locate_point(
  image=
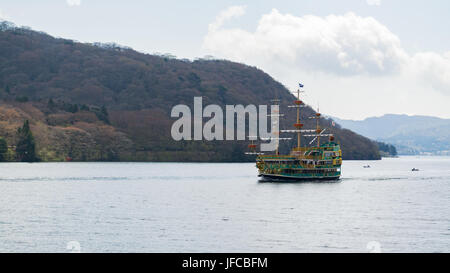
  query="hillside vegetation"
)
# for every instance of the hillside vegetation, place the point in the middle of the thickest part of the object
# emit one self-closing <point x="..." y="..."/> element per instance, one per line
<point x="91" y="102"/>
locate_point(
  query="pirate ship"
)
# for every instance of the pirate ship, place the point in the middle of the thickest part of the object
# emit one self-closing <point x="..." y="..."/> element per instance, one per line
<point x="315" y="161"/>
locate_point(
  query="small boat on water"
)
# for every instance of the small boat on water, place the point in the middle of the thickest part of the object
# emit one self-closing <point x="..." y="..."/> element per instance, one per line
<point x="366" y="166"/>
<point x="414" y="170"/>
<point x="321" y="161"/>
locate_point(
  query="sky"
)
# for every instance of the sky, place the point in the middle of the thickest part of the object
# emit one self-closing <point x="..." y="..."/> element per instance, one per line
<point x="356" y="58"/>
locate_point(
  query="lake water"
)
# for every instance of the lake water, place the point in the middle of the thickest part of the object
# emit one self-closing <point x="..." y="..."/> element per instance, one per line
<point x="189" y="207"/>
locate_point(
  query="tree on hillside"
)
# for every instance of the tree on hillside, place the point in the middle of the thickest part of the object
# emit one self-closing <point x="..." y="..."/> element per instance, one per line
<point x="387" y="148"/>
<point x="26" y="147"/>
<point x="3" y="149"/>
<point x="51" y="104"/>
<point x="103" y="115"/>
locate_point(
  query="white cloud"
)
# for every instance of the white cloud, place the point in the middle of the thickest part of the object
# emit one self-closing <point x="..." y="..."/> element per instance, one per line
<point x="373" y="2"/>
<point x="233" y="11"/>
<point x="432" y="69"/>
<point x="73" y="2"/>
<point x="350" y="61"/>
<point x="346" y="44"/>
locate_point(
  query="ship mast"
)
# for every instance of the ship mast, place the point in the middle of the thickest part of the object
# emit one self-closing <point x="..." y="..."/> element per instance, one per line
<point x="318" y="129"/>
<point x="298" y="118"/>
<point x="298" y="125"/>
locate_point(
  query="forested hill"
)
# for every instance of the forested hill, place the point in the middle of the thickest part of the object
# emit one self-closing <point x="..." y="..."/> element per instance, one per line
<point x="106" y="102"/>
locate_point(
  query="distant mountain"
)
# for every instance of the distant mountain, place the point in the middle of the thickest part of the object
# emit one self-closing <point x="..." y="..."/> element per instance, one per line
<point x="108" y="102"/>
<point x="409" y="134"/>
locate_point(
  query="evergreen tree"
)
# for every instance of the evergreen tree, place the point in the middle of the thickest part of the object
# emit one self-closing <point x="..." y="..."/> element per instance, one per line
<point x="51" y="104"/>
<point x="104" y="111"/>
<point x="26" y="147"/>
<point x="21" y="98"/>
<point x="84" y="107"/>
<point x="3" y="149"/>
<point x="103" y="115"/>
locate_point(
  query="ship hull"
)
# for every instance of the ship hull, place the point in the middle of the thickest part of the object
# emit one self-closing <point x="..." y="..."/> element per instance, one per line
<point x="286" y="178"/>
